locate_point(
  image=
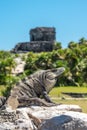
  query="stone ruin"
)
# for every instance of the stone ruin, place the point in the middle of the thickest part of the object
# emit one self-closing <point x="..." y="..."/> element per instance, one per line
<point x="41" y="39"/>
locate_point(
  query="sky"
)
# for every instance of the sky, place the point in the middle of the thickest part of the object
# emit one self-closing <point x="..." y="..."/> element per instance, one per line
<point x="17" y="17"/>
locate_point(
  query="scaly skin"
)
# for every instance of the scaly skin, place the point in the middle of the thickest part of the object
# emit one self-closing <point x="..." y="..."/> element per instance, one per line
<point x="30" y="90"/>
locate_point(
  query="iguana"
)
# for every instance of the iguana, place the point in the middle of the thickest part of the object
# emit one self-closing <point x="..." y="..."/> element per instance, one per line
<point x="31" y="89"/>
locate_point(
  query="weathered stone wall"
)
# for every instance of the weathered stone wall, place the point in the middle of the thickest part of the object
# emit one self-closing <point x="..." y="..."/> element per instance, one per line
<point x="42" y="34"/>
<point x="41" y="39"/>
<point x="35" y="46"/>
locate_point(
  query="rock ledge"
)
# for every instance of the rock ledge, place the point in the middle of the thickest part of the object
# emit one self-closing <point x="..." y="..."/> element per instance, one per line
<point x="60" y="117"/>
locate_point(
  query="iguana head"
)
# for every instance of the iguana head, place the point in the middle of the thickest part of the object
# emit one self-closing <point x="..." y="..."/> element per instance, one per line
<point x="51" y="77"/>
<point x="47" y="78"/>
<point x="54" y="73"/>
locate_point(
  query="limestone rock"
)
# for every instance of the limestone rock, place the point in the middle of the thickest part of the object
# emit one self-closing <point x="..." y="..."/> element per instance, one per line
<point x="16" y="120"/>
<point x="60" y="117"/>
<point x="66" y="121"/>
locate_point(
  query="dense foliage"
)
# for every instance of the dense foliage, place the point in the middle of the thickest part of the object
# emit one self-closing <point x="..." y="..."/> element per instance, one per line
<point x="6" y="65"/>
<point x="73" y="58"/>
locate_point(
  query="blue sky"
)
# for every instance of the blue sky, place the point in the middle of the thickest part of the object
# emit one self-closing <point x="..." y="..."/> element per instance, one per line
<point x="17" y="17"/>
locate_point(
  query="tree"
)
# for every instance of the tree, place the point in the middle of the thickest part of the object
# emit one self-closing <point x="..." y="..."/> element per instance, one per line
<point x="82" y="41"/>
<point x="57" y="46"/>
<point x="72" y="45"/>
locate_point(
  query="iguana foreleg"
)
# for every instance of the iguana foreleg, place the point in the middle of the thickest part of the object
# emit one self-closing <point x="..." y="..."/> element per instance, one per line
<point x="44" y="93"/>
<point x="46" y="97"/>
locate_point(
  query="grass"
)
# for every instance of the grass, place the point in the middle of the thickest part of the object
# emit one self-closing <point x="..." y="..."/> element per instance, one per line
<point x="58" y="97"/>
<point x="58" y="90"/>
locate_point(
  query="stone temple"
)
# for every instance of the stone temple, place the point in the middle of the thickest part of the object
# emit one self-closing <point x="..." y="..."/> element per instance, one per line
<point x="41" y="39"/>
